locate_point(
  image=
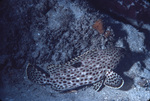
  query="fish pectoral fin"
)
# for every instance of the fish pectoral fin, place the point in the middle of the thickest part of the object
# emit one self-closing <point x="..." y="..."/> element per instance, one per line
<point x="113" y="80"/>
<point x="97" y="85"/>
<point x="37" y="75"/>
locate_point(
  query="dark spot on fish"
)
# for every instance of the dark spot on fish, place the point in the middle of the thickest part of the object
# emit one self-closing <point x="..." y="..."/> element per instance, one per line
<point x="85" y="62"/>
<point x="77" y="71"/>
<point x="82" y="75"/>
<point x="91" y="78"/>
<point x="96" y="73"/>
<point x="86" y="66"/>
<point x="84" y="70"/>
<point x="75" y="74"/>
<point x="68" y="79"/>
<point x="77" y="80"/>
<point x="86" y="82"/>
<point x="64" y="81"/>
<point x="95" y="79"/>
<point x="92" y="58"/>
<point x="58" y="74"/>
<point x="47" y="80"/>
<point x="68" y="75"/>
<point x="74" y="78"/>
<point x="87" y="73"/>
<point x="93" y="61"/>
<point x="90" y="67"/>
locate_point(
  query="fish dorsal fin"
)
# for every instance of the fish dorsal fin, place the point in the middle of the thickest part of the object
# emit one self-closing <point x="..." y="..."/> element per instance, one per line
<point x="113" y="79"/>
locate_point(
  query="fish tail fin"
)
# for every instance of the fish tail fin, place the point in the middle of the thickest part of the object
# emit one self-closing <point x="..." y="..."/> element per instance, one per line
<point x="37" y="75"/>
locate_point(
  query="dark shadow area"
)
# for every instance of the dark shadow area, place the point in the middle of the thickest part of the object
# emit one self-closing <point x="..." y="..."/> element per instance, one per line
<point x="129" y="57"/>
<point x="128" y="82"/>
<point x="147" y="37"/>
<point x="125" y="64"/>
<point x="99" y="6"/>
<point x="119" y="34"/>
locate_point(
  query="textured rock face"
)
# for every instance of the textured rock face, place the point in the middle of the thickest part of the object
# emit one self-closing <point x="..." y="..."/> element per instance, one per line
<point x="45" y="32"/>
<point x="138" y="10"/>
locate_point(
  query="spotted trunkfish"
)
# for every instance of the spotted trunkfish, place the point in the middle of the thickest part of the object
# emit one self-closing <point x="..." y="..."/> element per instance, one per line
<point x="92" y="68"/>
